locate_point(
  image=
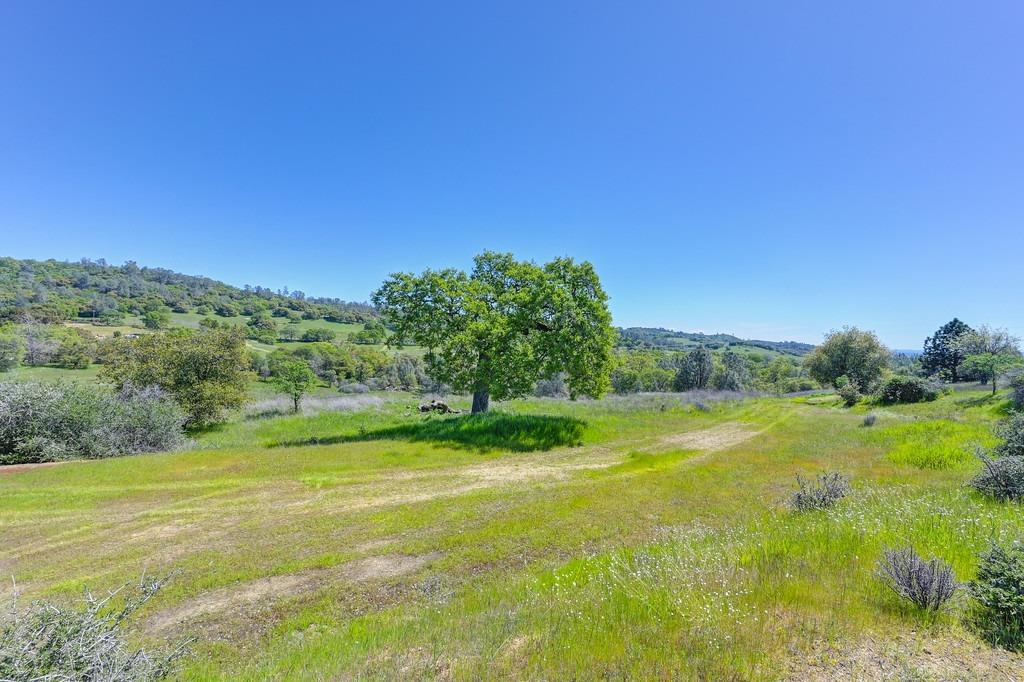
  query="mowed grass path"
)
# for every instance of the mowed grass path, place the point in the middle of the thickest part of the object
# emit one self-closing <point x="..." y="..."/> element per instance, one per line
<point x="621" y="538"/>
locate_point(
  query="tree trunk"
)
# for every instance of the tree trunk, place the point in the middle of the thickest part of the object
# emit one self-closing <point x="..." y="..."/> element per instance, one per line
<point x="297" y="399"/>
<point x="481" y="401"/>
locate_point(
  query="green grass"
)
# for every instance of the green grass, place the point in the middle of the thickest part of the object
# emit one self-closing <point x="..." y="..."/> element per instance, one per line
<point x="936" y="444"/>
<point x="549" y="540"/>
<point x="23" y="373"/>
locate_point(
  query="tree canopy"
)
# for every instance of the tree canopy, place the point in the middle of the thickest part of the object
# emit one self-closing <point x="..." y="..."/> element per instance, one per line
<point x="989" y="353"/>
<point x="852" y="353"/>
<point x="205" y="371"/>
<point x="942" y="352"/>
<point x="500" y="328"/>
<point x="292" y="376"/>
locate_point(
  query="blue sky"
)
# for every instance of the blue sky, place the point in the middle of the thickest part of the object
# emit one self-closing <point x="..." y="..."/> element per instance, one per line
<point x="772" y="170"/>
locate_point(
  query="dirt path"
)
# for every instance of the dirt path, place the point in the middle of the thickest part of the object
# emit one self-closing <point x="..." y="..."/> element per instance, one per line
<point x="20" y="468"/>
<point x="715" y="439"/>
<point x="273" y="588"/>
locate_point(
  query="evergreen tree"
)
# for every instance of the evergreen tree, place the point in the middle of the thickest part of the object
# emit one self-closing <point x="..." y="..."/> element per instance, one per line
<point x="942" y="352"/>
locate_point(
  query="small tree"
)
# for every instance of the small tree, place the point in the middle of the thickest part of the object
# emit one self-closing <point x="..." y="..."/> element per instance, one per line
<point x="11" y="350"/>
<point x="205" y="371"/>
<point x="319" y="334"/>
<point x="695" y="371"/>
<point x="853" y="353"/>
<point x="733" y="374"/>
<point x="498" y="329"/>
<point x="40" y="344"/>
<point x="157" y="318"/>
<point x="76" y="350"/>
<point x="292" y="376"/>
<point x="989" y="353"/>
<point x="943" y="354"/>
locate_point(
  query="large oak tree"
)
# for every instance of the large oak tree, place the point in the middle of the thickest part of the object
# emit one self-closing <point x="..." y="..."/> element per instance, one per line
<point x="500" y="328"/>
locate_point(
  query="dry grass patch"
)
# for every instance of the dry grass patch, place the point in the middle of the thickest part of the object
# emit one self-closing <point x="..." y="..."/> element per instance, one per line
<point x="923" y="659"/>
<point x="714" y="439"/>
<point x="229" y="601"/>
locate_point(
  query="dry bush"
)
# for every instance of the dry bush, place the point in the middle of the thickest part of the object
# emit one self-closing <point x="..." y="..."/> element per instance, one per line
<point x="927" y="584"/>
<point x="821" y="494"/>
<point x="54" y="643"/>
<point x="1001" y="478"/>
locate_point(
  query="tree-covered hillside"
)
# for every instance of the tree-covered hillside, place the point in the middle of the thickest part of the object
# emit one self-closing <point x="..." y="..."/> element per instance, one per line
<point x="55" y="291"/>
<point x="650" y="337"/>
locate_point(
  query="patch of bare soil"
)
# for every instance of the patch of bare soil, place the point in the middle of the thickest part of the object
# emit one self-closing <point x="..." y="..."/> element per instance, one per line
<point x="273" y="588"/>
<point x="949" y="659"/>
<point x="21" y="468"/>
<point x="721" y="437"/>
<point x="530" y="470"/>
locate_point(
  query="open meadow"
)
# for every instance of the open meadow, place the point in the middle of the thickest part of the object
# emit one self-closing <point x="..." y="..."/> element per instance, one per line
<point x="642" y="536"/>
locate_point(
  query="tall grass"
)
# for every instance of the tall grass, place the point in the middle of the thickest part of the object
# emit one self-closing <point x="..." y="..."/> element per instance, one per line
<point x="935" y="444"/>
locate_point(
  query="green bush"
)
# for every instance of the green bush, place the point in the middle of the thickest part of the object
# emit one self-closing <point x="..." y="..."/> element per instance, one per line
<point x="849" y="391"/>
<point x="999" y="593"/>
<point x="205" y="371"/>
<point x="1011" y="432"/>
<point x="907" y="389"/>
<point x="42" y="422"/>
<point x="318" y="334"/>
<point x="12" y="348"/>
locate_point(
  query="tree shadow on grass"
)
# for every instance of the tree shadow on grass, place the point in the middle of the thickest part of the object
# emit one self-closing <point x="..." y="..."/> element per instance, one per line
<point x="998" y="400"/>
<point x="482" y="432"/>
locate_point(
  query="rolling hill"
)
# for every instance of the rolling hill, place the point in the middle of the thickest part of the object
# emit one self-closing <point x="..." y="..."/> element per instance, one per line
<point x="667" y="339"/>
<point x="58" y="291"/>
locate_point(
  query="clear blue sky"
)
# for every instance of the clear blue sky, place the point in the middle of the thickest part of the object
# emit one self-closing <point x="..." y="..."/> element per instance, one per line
<point x="774" y="170"/>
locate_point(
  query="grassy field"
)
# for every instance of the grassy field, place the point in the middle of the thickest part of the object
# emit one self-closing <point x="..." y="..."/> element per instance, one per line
<point x="624" y="538"/>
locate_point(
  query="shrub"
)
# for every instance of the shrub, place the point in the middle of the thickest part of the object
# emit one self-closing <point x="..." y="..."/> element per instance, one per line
<point x="51" y="642"/>
<point x="141" y="420"/>
<point x="927" y="584"/>
<point x="11" y="350"/>
<point x="1002" y="478"/>
<point x="1017" y="392"/>
<point x="318" y="334"/>
<point x="907" y="389"/>
<point x="555" y="387"/>
<point x="205" y="371"/>
<point x="1011" y="432"/>
<point x="354" y="388"/>
<point x="42" y="422"/>
<point x="870" y="419"/>
<point x="849" y="391"/>
<point x="999" y="593"/>
<point x="829" y="489"/>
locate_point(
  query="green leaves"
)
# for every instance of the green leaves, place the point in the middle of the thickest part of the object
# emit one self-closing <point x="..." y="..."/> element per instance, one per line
<point x="506" y="324"/>
<point x="205" y="371"/>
